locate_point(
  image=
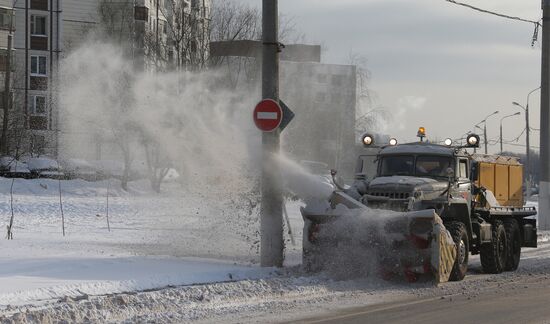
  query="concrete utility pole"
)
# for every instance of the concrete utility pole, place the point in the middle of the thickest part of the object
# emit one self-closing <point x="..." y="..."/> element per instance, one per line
<point x="544" y="184"/>
<point x="527" y="166"/>
<point x="485" y="135"/>
<point x="271" y="214"/>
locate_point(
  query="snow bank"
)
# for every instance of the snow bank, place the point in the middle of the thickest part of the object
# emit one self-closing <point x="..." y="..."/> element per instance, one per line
<point x="31" y="281"/>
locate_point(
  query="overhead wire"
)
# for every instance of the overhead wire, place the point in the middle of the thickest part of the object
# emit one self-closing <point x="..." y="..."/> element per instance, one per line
<point x="536" y="23"/>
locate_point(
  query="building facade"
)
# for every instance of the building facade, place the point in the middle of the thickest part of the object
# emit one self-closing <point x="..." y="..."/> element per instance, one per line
<point x="161" y="33"/>
<point x="322" y="96"/>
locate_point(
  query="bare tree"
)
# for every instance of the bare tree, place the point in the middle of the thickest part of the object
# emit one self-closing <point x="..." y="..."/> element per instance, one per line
<point x="118" y="25"/>
<point x="187" y="33"/>
<point x="368" y="117"/>
<point x="117" y="21"/>
<point x="158" y="164"/>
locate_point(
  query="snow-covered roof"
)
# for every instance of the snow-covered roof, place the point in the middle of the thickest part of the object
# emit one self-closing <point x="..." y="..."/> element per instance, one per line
<point x="418" y="148"/>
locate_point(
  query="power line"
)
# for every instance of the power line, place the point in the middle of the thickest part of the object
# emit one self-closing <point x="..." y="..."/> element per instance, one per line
<point x="493" y="13"/>
<point x="536" y="23"/>
<point x="522" y="145"/>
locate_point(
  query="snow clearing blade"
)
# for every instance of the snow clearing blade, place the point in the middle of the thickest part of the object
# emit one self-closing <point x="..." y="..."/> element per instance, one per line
<point x="412" y="244"/>
<point x="419" y="244"/>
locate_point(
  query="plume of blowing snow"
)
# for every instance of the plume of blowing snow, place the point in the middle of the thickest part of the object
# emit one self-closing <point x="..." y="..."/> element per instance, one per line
<point x="188" y="121"/>
<point x="193" y="123"/>
<point x="307" y="186"/>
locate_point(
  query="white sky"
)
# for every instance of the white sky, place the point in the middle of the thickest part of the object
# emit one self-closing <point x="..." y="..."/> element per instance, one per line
<point x="434" y="64"/>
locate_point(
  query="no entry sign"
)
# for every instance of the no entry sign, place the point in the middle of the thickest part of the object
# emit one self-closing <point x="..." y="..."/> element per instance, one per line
<point x="268" y="115"/>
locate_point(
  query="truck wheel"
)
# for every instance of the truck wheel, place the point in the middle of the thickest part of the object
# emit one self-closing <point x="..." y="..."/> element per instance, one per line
<point x="460" y="237"/>
<point x="513" y="243"/>
<point x="493" y="255"/>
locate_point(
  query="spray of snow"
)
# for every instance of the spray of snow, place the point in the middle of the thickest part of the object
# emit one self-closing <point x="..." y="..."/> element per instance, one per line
<point x="194" y="122"/>
<point x="360" y="236"/>
<point x="302" y="183"/>
<point x="189" y="121"/>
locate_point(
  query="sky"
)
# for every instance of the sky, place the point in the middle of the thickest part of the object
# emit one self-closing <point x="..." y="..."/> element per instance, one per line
<point x="433" y="63"/>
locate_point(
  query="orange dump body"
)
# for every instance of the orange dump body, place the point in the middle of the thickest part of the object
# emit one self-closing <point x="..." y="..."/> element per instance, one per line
<point x="503" y="175"/>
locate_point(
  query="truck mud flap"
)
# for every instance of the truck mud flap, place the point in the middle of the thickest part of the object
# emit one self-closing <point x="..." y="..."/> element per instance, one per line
<point x="529" y="233"/>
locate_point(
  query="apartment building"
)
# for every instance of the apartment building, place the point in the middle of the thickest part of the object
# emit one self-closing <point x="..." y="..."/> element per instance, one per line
<point x="7" y="25"/>
<point x="172" y="33"/>
<point x="163" y="33"/>
<point x="37" y="54"/>
<point x="323" y="97"/>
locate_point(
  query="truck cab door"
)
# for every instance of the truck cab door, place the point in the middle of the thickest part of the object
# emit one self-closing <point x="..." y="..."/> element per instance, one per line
<point x="366" y="167"/>
<point x="464" y="184"/>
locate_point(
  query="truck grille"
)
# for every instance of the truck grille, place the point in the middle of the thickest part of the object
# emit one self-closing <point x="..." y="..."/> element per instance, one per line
<point x="391" y="195"/>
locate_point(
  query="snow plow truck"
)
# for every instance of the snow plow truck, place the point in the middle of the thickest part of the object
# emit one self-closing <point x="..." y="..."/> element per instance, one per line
<point x="442" y="203"/>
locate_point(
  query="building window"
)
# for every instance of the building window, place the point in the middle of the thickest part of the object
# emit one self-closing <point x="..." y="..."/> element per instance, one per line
<point x="38" y="25"/>
<point x="38" y="105"/>
<point x="38" y="65"/>
<point x="141" y="13"/>
<point x="6" y="19"/>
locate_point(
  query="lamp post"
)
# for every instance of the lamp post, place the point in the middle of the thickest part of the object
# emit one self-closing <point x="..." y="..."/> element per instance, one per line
<point x="527" y="144"/>
<point x="501" y="127"/>
<point x="484" y="121"/>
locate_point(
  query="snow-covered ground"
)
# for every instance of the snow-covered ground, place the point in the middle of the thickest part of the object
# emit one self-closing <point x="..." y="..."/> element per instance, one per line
<point x="154" y="240"/>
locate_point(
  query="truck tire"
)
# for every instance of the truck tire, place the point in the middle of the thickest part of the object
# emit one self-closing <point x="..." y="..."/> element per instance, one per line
<point x="493" y="255"/>
<point x="460" y="237"/>
<point x="513" y="243"/>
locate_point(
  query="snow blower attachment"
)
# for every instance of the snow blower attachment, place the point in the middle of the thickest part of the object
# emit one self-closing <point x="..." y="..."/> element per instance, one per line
<point x="411" y="244"/>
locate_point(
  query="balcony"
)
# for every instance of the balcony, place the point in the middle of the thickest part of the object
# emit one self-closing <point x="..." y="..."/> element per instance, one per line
<point x="38" y="122"/>
<point x="39" y="5"/>
<point x="39" y="83"/>
<point x="39" y="43"/>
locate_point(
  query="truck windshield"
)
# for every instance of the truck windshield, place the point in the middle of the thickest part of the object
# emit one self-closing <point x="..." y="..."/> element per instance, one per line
<point x="397" y="165"/>
<point x="422" y="166"/>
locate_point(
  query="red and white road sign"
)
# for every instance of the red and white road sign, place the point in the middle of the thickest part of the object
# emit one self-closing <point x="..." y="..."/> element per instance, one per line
<point x="268" y="115"/>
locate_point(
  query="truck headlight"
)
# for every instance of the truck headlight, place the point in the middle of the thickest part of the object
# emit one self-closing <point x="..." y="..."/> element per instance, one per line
<point x="368" y="140"/>
<point x="473" y="140"/>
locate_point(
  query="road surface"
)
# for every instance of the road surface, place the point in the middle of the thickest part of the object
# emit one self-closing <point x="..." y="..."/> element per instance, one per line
<point x="525" y="301"/>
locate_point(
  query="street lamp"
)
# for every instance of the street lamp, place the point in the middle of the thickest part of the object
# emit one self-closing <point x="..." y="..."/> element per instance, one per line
<point x="518" y="113"/>
<point x="484" y="121"/>
<point x="527" y="144"/>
